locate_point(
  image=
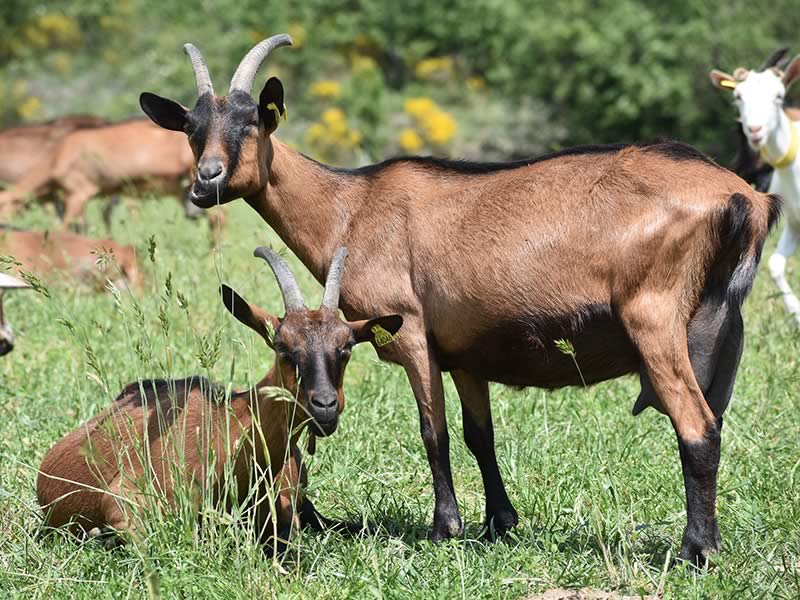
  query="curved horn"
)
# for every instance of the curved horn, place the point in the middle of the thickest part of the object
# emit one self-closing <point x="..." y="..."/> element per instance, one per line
<point x="201" y="76"/>
<point x="333" y="283"/>
<point x="774" y="59"/>
<point x="292" y="297"/>
<point x="245" y="73"/>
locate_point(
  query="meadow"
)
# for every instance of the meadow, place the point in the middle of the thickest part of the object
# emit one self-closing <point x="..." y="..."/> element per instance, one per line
<point x="599" y="492"/>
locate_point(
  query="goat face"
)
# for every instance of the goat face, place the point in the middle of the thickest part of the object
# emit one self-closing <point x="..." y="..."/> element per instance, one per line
<point x="759" y="97"/>
<point x="229" y="135"/>
<point x="312" y="346"/>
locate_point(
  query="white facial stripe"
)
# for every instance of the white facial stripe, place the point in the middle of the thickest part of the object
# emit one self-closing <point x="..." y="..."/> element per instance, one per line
<point x="758" y="99"/>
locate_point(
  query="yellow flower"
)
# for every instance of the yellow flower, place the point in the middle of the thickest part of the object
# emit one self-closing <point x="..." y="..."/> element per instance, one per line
<point x="410" y="140"/>
<point x="419" y="107"/>
<point x="428" y="67"/>
<point x="440" y="127"/>
<point x="355" y="138"/>
<point x="360" y="63"/>
<point x="62" y="62"/>
<point x="61" y="27"/>
<point x="315" y="133"/>
<point x="326" y="89"/>
<point x="334" y="119"/>
<point x="476" y="84"/>
<point x="29" y="108"/>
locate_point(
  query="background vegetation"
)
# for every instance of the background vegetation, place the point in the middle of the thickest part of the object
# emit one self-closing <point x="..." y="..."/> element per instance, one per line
<point x="499" y="78"/>
<point x="599" y="493"/>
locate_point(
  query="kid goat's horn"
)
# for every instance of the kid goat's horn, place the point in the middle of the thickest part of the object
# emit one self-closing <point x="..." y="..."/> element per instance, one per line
<point x="333" y="283"/>
<point x="292" y="297"/>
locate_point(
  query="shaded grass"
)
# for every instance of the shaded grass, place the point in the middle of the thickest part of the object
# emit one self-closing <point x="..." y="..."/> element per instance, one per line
<point x="599" y="492"/>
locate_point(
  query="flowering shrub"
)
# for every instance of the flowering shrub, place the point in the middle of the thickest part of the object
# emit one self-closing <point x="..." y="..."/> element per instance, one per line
<point x="332" y="137"/>
<point x="437" y="126"/>
<point x="325" y="89"/>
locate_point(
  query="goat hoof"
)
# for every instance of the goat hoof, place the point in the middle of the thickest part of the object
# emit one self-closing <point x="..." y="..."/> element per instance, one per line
<point x="499" y="521"/>
<point x="698" y="547"/>
<point x="444" y="529"/>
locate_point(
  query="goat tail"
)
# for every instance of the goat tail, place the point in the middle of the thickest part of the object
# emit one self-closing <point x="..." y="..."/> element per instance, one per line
<point x="743" y="227"/>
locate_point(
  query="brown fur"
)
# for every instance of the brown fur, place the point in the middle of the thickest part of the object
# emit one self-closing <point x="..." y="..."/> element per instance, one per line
<point x="105" y="159"/>
<point x="92" y="477"/>
<point x="73" y="256"/>
<point x="25" y="147"/>
<point x="610" y="248"/>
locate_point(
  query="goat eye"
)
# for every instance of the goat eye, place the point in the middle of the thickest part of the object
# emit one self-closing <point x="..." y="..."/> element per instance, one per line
<point x="345" y="352"/>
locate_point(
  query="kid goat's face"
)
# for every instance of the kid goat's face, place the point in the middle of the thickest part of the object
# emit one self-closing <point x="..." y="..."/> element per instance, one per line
<point x="312" y="347"/>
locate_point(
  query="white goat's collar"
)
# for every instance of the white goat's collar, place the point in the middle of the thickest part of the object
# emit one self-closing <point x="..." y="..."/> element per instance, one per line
<point x="791" y="154"/>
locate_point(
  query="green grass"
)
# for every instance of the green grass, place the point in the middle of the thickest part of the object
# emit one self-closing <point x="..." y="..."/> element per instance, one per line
<point x="599" y="492"/>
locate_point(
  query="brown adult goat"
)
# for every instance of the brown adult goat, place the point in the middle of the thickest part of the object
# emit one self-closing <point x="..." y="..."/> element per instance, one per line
<point x="641" y="255"/>
<point x="76" y="257"/>
<point x="24" y="147"/>
<point x="89" y="478"/>
<point x="105" y="159"/>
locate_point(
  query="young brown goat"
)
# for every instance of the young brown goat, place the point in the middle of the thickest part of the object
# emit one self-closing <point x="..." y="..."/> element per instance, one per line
<point x="91" y="477"/>
<point x="641" y="255"/>
<point x="105" y="159"/>
<point x="77" y="257"/>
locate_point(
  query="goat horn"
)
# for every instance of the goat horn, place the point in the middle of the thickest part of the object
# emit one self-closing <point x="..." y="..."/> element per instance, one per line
<point x="292" y="297"/>
<point x="774" y="59"/>
<point x="333" y="283"/>
<point x="245" y="73"/>
<point x="201" y="76"/>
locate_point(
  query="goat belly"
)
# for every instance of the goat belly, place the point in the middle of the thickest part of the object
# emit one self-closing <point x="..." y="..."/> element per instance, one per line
<point x="524" y="352"/>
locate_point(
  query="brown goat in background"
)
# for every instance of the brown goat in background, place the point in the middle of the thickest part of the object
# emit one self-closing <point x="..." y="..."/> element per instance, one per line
<point x="106" y="159"/>
<point x="639" y="255"/>
<point x="74" y="257"/>
<point x="24" y="147"/>
<point x="89" y="479"/>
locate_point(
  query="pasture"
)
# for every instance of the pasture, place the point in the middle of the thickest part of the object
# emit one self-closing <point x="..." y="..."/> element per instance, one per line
<point x="599" y="492"/>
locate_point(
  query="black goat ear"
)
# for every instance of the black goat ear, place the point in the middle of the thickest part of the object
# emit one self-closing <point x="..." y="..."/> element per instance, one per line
<point x="270" y="104"/>
<point x="163" y="112"/>
<point x="257" y="319"/>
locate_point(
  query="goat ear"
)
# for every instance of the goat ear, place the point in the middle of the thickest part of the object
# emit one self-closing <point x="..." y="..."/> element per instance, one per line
<point x="792" y="72"/>
<point x="257" y="319"/>
<point x="381" y="330"/>
<point x="163" y="112"/>
<point x="270" y="104"/>
<point x="722" y="80"/>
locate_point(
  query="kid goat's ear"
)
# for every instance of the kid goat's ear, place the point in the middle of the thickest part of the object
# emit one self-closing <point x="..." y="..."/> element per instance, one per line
<point x="381" y="330"/>
<point x="792" y="72"/>
<point x="257" y="319"/>
<point x="163" y="112"/>
<point x="270" y="104"/>
<point x="722" y="80"/>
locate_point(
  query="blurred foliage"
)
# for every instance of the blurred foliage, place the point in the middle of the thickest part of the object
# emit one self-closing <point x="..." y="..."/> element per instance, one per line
<point x="498" y="78"/>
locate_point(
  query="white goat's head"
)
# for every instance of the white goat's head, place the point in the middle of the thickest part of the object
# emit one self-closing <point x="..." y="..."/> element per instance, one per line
<point x="759" y="96"/>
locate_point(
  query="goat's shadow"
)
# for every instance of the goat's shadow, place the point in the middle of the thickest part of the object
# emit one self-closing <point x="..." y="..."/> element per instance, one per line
<point x="651" y="546"/>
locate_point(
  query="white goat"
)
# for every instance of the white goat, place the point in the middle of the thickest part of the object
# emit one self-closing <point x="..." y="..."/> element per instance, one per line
<point x="759" y="96"/>
<point x="7" y="282"/>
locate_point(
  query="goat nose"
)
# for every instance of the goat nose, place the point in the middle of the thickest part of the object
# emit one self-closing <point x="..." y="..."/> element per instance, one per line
<point x="755" y="129"/>
<point x="210" y="169"/>
<point x="324" y="401"/>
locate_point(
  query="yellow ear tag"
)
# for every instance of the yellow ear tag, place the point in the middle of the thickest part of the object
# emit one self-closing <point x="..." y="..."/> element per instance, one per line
<point x="271" y="106"/>
<point x="728" y="83"/>
<point x="381" y="336"/>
